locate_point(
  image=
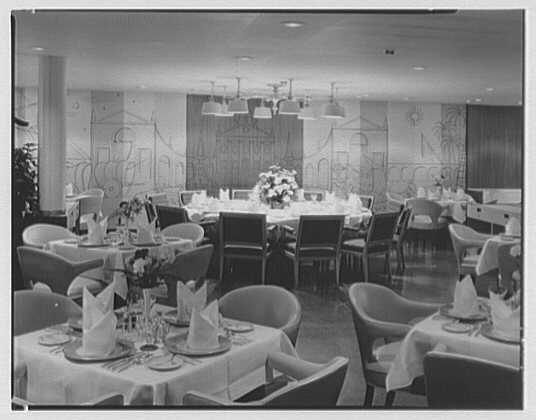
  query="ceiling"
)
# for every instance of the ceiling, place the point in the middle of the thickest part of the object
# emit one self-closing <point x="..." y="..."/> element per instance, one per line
<point x="465" y="55"/>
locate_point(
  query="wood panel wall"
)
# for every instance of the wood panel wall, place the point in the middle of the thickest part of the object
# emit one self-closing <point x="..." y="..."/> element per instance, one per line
<point x="231" y="152"/>
<point x="494" y="146"/>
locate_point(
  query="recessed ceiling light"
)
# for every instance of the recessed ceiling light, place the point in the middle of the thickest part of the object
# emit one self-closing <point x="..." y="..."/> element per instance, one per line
<point x="292" y="23"/>
<point x="418" y="68"/>
<point x="490" y="89"/>
<point x="245" y="58"/>
<point x="37" y="48"/>
<point x="478" y="99"/>
<point x="389" y="52"/>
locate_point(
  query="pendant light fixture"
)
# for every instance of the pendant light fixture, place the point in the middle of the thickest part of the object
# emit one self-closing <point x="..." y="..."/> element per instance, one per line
<point x="262" y="112"/>
<point x="333" y="110"/>
<point x="211" y="107"/>
<point x="238" y="105"/>
<point x="224" y="111"/>
<point x="307" y="112"/>
<point x="289" y="106"/>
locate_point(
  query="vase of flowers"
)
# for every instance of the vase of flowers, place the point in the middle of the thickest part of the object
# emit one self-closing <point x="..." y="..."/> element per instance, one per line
<point x="439" y="182"/>
<point x="126" y="214"/>
<point x="277" y="186"/>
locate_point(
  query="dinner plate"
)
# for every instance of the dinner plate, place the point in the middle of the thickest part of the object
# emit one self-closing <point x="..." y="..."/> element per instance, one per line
<point x="488" y="331"/>
<point x="171" y="318"/>
<point x="237" y="326"/>
<point x="447" y="310"/>
<point x="126" y="248"/>
<point x="172" y="239"/>
<point x="178" y="344"/>
<point x="146" y="244"/>
<point x="72" y="352"/>
<point x="54" y="339"/>
<point x="71" y="241"/>
<point x="457" y="327"/>
<point x="164" y="363"/>
<point x="85" y="244"/>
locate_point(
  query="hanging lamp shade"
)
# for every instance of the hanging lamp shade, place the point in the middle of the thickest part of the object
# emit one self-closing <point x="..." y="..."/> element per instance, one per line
<point x="211" y="107"/>
<point x="224" y="108"/>
<point x="333" y="110"/>
<point x="306" y="112"/>
<point x="290" y="106"/>
<point x="238" y="105"/>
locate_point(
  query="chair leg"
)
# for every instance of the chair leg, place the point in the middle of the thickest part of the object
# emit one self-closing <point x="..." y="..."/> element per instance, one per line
<point x="388" y="266"/>
<point x="369" y="396"/>
<point x="222" y="260"/>
<point x="365" y="267"/>
<point x="338" y="270"/>
<point x="389" y="399"/>
<point x="263" y="273"/>
<point x="402" y="259"/>
<point x="296" y="273"/>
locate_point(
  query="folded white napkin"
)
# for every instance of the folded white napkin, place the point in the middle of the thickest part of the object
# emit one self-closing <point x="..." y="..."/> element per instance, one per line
<point x="98" y="323"/>
<point x="203" y="330"/>
<point x="330" y="197"/>
<point x="188" y="300"/>
<point x="96" y="230"/>
<point x="465" y="300"/>
<point x="504" y="318"/>
<point x="69" y="189"/>
<point x="146" y="232"/>
<point x="433" y="194"/>
<point x="224" y="194"/>
<point x="447" y="193"/>
<point x="460" y="194"/>
<point x="354" y="201"/>
<point x="301" y="196"/>
<point x="513" y="227"/>
<point x="421" y="192"/>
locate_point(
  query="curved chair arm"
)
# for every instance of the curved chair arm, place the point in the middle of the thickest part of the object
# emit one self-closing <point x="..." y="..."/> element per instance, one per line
<point x="410" y="309"/>
<point x="20" y="379"/>
<point x="291" y="328"/>
<point x="194" y="398"/>
<point x="82" y="266"/>
<point x="382" y="329"/>
<point x="292" y="366"/>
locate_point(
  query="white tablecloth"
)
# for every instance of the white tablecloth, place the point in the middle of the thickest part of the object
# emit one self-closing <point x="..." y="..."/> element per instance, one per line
<point x="488" y="259"/>
<point x="114" y="258"/>
<point x="427" y="334"/>
<point x="52" y="379"/>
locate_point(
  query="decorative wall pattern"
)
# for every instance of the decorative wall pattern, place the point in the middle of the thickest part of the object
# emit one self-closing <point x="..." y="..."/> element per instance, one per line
<point x="231" y="152"/>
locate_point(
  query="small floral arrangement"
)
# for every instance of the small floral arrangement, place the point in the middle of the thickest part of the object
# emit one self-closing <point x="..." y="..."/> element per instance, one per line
<point x="278" y="185"/>
<point x="130" y="209"/>
<point x="439" y="180"/>
<point x="144" y="271"/>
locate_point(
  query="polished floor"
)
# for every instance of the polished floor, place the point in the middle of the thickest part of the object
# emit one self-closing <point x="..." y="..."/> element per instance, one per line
<point x="327" y="329"/>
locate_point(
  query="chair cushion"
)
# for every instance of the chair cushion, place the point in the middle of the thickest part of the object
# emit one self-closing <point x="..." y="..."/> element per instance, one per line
<point x="243" y="249"/>
<point x="310" y="252"/>
<point x="77" y="286"/>
<point x="358" y="245"/>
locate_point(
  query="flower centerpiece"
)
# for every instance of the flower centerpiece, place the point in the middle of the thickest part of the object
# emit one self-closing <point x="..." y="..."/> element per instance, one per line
<point x="277" y="186"/>
<point x="439" y="182"/>
<point x="127" y="213"/>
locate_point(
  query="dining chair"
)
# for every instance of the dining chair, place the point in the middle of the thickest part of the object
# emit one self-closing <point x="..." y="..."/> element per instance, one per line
<point x="185" y="197"/>
<point x="426" y="219"/>
<point x="60" y="274"/>
<point x="312" y="385"/>
<point x="367" y="201"/>
<point x="241" y="194"/>
<point x="314" y="195"/>
<point x="464" y="239"/>
<point x="507" y="266"/>
<point x="456" y="381"/>
<point x="191" y="231"/>
<point x="243" y="236"/>
<point x="379" y="241"/>
<point x="188" y="265"/>
<point x="395" y="200"/>
<point x="109" y="400"/>
<point x="89" y="202"/>
<point x="171" y="215"/>
<point x="381" y="320"/>
<point x="40" y="234"/>
<point x="318" y="240"/>
<point x="399" y="237"/>
<point x="268" y="305"/>
<point x="34" y="310"/>
<point x="159" y="199"/>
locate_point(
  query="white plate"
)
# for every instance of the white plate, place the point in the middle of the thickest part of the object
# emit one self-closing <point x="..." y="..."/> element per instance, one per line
<point x="164" y="363"/>
<point x="457" y="327"/>
<point x="172" y="239"/>
<point x="237" y="326"/>
<point x="54" y="339"/>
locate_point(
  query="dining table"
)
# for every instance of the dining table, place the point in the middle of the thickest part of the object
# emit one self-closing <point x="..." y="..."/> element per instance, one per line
<point x="452" y="207"/>
<point x="53" y="379"/>
<point x="429" y="334"/>
<point x="114" y="257"/>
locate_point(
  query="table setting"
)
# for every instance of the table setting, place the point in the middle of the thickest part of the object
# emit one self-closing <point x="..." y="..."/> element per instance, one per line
<point x="489" y="329"/>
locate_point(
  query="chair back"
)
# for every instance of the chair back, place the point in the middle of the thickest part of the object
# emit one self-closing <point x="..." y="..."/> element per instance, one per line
<point x="367" y="201"/>
<point x="272" y="306"/>
<point x="425" y="207"/>
<point x="171" y="215"/>
<point x="507" y="265"/>
<point x="242" y="229"/>
<point x="159" y="199"/>
<point x="313" y="195"/>
<point x="188" y="265"/>
<point x="321" y="389"/>
<point x="191" y="231"/>
<point x="462" y="382"/>
<point x="322" y="232"/>
<point x="94" y="191"/>
<point x="185" y="197"/>
<point x="46" y="267"/>
<point x="382" y="228"/>
<point x="40" y="234"/>
<point x="33" y="310"/>
<point x="462" y="238"/>
<point x="395" y="199"/>
<point x="402" y="224"/>
<point x="241" y="194"/>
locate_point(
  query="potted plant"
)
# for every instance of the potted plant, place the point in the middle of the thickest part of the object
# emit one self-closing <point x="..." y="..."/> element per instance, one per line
<point x="25" y="191"/>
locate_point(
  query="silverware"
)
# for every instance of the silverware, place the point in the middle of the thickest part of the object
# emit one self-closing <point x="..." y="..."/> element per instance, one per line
<point x="135" y="361"/>
<point x="114" y="363"/>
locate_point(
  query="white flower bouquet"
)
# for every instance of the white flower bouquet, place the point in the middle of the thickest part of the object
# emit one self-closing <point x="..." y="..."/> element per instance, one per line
<point x="277" y="186"/>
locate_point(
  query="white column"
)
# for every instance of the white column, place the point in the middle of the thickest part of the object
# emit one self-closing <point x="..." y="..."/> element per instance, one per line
<point x="52" y="137"/>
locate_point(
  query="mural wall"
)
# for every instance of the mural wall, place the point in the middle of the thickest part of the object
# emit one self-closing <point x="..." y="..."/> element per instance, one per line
<point x="125" y="143"/>
<point x="386" y="146"/>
